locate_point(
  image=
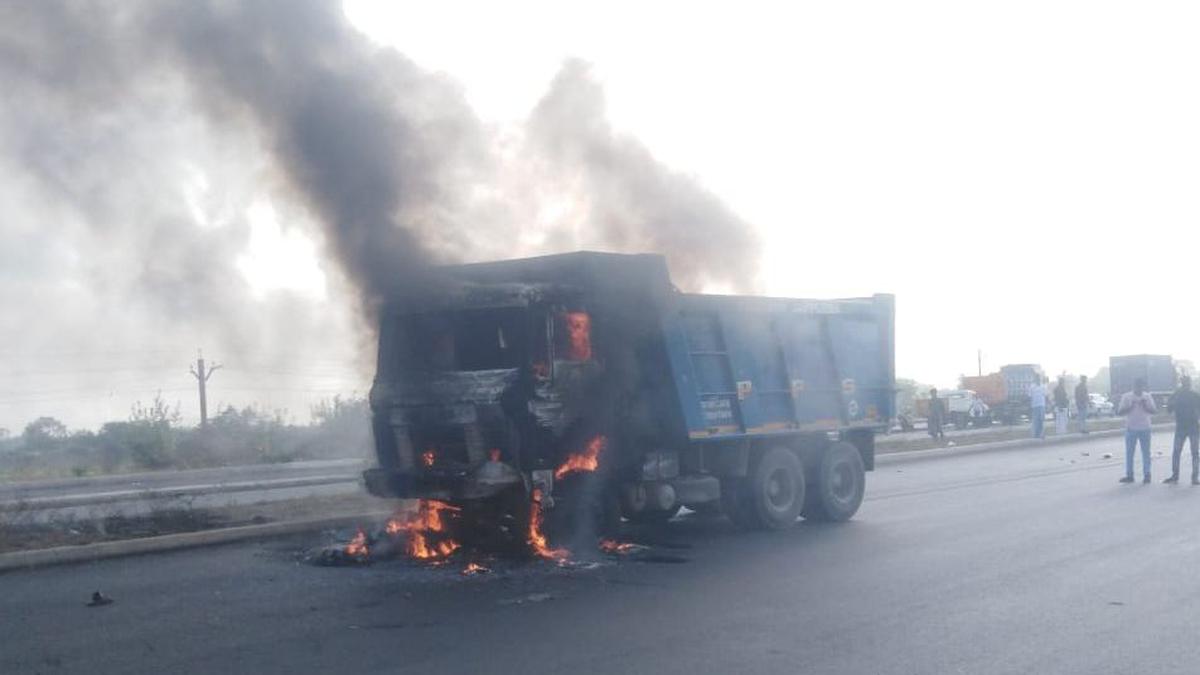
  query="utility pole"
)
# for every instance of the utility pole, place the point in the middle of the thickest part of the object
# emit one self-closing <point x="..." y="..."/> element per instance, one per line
<point x="202" y="375"/>
<point x="979" y="361"/>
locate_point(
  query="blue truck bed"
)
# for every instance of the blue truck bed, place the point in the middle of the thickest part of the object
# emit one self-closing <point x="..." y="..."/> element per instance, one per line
<point x="752" y="366"/>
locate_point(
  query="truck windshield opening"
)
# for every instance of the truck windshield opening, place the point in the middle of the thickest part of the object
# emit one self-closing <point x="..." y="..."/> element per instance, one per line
<point x="469" y="340"/>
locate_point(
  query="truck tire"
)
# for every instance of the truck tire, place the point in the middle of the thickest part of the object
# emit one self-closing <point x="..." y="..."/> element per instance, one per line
<point x="836" y="492"/>
<point x="774" y="491"/>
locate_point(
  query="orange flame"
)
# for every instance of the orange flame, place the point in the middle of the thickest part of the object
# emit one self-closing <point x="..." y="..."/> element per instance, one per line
<point x="537" y="539"/>
<point x="427" y="458"/>
<point x="613" y="547"/>
<point x="475" y="568"/>
<point x="426" y="530"/>
<point x="587" y="460"/>
<point x="357" y="548"/>
<point x="579" y="336"/>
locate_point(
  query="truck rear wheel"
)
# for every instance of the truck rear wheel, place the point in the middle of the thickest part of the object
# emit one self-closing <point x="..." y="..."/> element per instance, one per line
<point x="837" y="490"/>
<point x="771" y="496"/>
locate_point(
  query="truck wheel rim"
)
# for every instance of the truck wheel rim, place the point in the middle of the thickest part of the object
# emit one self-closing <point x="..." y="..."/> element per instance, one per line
<point x="780" y="491"/>
<point x="844" y="483"/>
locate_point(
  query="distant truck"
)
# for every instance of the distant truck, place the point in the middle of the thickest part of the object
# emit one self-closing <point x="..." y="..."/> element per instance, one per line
<point x="1157" y="370"/>
<point x="587" y="378"/>
<point x="1007" y="392"/>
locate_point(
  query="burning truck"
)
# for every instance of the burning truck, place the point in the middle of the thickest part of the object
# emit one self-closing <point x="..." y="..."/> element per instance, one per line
<point x="586" y="387"/>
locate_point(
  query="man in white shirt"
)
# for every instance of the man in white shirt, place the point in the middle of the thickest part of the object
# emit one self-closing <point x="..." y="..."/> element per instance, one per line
<point x="1037" y="407"/>
<point x="1137" y="406"/>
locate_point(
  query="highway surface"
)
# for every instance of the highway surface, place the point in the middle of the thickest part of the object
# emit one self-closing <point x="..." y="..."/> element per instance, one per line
<point x="1027" y="561"/>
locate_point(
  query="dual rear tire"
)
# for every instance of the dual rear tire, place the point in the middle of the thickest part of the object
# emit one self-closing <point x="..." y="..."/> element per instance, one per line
<point x="777" y="490"/>
<point x="837" y="490"/>
<point x="771" y="497"/>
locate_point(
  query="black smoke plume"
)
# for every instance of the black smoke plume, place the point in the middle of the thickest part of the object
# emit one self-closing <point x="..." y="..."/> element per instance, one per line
<point x="134" y="135"/>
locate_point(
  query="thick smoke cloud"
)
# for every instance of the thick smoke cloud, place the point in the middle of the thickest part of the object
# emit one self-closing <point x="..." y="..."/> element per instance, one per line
<point x="629" y="200"/>
<point x="136" y="136"/>
<point x="380" y="150"/>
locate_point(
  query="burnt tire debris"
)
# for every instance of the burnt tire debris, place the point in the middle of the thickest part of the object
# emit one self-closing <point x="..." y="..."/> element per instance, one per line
<point x="100" y="600"/>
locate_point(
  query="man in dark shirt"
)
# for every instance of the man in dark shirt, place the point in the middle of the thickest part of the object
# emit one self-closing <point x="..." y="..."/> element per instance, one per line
<point x="935" y="415"/>
<point x="1185" y="403"/>
<point x="1082" y="403"/>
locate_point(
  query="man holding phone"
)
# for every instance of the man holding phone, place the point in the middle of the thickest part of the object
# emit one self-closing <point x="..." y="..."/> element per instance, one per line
<point x="1137" y="406"/>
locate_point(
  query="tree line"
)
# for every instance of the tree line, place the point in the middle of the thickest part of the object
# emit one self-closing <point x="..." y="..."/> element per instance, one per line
<point x="153" y="438"/>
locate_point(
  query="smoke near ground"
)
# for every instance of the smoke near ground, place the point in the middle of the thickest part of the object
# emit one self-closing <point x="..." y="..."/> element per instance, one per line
<point x="141" y="137"/>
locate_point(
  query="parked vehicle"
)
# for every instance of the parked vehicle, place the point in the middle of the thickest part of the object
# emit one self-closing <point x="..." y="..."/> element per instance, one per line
<point x="964" y="408"/>
<point x="1157" y="370"/>
<point x="1099" y="406"/>
<point x="573" y="380"/>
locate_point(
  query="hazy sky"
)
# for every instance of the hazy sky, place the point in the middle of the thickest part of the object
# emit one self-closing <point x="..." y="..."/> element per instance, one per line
<point x="1024" y="176"/>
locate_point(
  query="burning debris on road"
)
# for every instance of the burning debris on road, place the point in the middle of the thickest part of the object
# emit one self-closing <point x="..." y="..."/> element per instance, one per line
<point x="357" y="548"/>
<point x="613" y="547"/>
<point x="433" y="531"/>
<point x="474" y="569"/>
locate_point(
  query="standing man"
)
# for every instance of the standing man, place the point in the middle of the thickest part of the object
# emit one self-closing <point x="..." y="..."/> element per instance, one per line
<point x="1137" y="406"/>
<point x="1185" y="403"/>
<point x="1037" y="407"/>
<point x="935" y="415"/>
<point x="1082" y="403"/>
<point x="1062" y="407"/>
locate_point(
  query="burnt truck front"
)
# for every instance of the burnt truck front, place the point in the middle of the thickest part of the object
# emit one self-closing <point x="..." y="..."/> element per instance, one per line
<point x="476" y="393"/>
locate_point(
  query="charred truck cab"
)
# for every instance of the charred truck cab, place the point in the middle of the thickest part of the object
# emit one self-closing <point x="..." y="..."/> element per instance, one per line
<point x="549" y="377"/>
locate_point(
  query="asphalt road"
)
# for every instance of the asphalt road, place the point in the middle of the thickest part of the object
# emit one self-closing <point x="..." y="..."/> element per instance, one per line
<point x="1028" y="561"/>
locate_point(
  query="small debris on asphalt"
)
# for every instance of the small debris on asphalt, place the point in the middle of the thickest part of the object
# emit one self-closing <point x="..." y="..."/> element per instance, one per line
<point x="951" y="444"/>
<point x="1107" y="455"/>
<point x="1116" y="603"/>
<point x="99" y="600"/>
<point x="1086" y="454"/>
<point x="532" y="597"/>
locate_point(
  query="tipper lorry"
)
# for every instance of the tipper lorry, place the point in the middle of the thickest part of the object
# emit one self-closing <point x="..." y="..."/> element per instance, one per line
<point x="1006" y="393"/>
<point x="1158" y="370"/>
<point x="588" y="378"/>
